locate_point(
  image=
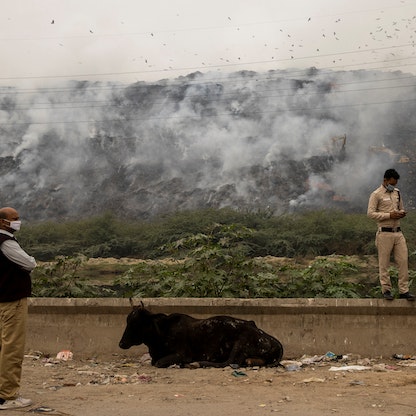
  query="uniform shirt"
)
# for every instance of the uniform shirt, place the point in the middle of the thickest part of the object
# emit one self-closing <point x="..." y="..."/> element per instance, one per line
<point x="12" y="250"/>
<point x="381" y="203"/>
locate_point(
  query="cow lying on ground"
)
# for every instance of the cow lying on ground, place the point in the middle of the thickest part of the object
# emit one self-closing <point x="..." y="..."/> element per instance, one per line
<point x="213" y="342"/>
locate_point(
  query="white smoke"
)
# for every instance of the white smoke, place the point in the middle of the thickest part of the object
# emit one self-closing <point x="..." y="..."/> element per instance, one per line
<point x="244" y="139"/>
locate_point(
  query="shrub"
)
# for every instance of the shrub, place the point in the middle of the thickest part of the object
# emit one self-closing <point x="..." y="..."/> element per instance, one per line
<point x="59" y="279"/>
<point x="308" y="234"/>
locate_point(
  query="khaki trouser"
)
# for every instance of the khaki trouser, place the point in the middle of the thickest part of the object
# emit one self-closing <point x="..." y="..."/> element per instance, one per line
<point x="13" y="317"/>
<point x="388" y="243"/>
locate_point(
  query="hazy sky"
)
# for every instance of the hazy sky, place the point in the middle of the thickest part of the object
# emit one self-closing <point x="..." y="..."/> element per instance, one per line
<point x="46" y="41"/>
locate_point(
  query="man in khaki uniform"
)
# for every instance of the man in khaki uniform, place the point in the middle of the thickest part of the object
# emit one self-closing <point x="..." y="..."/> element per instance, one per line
<point x="386" y="207"/>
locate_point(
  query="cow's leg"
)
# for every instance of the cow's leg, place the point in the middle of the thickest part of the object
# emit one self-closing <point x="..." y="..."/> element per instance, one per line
<point x="169" y="360"/>
<point x="237" y="356"/>
<point x="264" y="353"/>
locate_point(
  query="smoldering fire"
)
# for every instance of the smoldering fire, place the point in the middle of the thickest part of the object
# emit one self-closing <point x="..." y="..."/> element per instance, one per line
<point x="246" y="140"/>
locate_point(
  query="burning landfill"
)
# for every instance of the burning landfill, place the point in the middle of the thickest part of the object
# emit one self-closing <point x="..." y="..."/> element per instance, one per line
<point x="279" y="141"/>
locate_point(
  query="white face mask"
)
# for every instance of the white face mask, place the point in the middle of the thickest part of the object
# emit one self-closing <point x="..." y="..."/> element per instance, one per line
<point x="15" y="225"/>
<point x="390" y="188"/>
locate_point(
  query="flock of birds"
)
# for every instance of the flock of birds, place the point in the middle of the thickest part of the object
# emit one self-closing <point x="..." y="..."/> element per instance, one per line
<point x="287" y="43"/>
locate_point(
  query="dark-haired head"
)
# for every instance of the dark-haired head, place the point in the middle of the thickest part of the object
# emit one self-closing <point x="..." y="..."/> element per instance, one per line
<point x="391" y="174"/>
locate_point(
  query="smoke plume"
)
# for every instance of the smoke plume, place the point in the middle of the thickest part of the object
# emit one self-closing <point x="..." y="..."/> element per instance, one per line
<point x="280" y="141"/>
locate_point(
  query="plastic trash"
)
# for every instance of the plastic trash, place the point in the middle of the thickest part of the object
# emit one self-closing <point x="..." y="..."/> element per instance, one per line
<point x="42" y="409"/>
<point x="402" y="357"/>
<point x="237" y="373"/>
<point x="292" y="367"/>
<point x="330" y="355"/>
<point x="64" y="355"/>
<point x="357" y="383"/>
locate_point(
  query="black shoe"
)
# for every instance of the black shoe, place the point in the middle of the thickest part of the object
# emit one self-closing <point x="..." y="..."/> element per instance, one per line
<point x="407" y="296"/>
<point x="388" y="296"/>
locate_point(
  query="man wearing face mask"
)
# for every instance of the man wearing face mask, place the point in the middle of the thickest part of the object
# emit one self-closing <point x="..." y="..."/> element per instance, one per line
<point x="15" y="288"/>
<point x="386" y="207"/>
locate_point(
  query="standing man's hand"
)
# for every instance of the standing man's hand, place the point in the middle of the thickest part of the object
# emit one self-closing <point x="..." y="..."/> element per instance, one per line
<point x="396" y="215"/>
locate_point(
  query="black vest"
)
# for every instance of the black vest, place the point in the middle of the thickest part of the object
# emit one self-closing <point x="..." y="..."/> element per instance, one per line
<point x="15" y="282"/>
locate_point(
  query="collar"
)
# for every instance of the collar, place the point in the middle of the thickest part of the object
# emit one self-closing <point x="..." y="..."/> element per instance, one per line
<point x="6" y="232"/>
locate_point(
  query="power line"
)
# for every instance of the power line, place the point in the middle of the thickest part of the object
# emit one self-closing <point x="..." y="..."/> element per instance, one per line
<point x="199" y="117"/>
<point x="229" y="78"/>
<point x="227" y="65"/>
<point x="224" y="96"/>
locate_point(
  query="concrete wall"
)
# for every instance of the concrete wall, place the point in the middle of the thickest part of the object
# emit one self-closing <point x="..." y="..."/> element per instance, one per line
<point x="369" y="327"/>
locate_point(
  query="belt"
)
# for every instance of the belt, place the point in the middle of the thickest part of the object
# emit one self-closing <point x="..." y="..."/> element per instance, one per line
<point x="390" y="230"/>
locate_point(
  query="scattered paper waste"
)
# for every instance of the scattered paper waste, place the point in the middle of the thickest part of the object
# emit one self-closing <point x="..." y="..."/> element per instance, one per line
<point x="146" y="358"/>
<point x="407" y="364"/>
<point x="350" y="368"/>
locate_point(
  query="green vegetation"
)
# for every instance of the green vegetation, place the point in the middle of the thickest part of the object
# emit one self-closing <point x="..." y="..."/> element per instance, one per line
<point x="213" y="253"/>
<point x="60" y="279"/>
<point x="308" y="234"/>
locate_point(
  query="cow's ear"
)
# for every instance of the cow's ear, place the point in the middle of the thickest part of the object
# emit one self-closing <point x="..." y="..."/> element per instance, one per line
<point x="141" y="306"/>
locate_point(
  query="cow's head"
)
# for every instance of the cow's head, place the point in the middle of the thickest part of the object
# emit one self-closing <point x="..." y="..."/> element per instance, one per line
<point x="139" y="327"/>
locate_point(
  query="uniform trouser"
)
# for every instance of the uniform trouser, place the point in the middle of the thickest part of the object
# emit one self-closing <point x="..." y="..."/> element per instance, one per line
<point x="13" y="317"/>
<point x="388" y="243"/>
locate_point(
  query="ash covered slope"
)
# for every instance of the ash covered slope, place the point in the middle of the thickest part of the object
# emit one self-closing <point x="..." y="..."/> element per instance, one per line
<point x="249" y="140"/>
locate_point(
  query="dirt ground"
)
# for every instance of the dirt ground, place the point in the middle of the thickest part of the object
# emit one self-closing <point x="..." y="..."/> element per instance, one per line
<point x="311" y="386"/>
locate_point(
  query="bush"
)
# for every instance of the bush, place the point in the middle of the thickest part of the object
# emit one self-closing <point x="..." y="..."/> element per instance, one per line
<point x="59" y="279"/>
<point x="323" y="279"/>
<point x="217" y="266"/>
<point x="309" y="234"/>
<point x="218" y="249"/>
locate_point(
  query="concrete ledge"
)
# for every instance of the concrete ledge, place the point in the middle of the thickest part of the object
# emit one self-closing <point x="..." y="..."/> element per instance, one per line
<point x="369" y="327"/>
